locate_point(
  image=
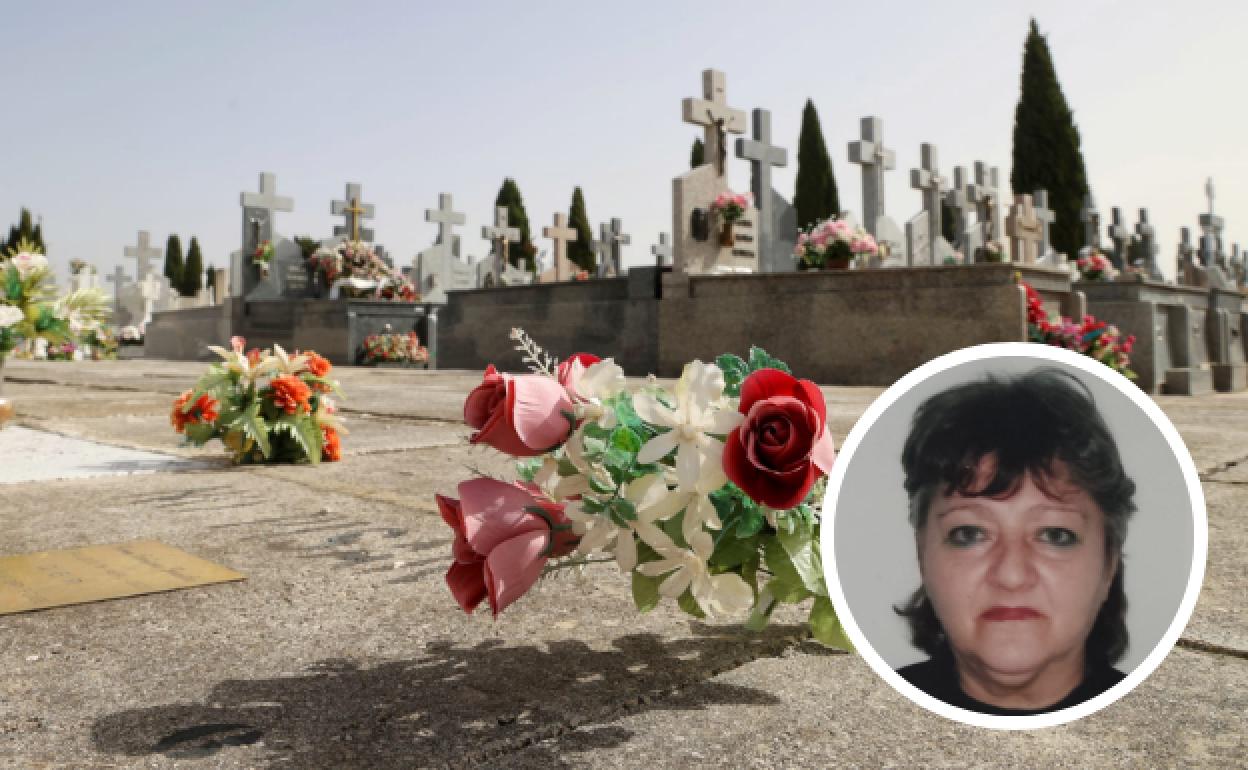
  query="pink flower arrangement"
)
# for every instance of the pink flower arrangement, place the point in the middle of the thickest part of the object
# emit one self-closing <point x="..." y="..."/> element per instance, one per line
<point x="1095" y="266"/>
<point x="730" y="206"/>
<point x="833" y="239"/>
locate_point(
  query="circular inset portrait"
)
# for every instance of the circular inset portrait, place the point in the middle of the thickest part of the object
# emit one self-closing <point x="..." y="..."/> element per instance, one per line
<point x="1017" y="535"/>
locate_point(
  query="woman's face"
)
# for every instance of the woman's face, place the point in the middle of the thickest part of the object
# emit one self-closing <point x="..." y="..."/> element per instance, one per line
<point x="1017" y="582"/>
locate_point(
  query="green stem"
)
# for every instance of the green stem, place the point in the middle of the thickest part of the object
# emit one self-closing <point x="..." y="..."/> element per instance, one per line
<point x="550" y="569"/>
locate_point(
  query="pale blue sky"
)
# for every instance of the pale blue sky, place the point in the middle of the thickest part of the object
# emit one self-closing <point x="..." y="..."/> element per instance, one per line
<point x="156" y="115"/>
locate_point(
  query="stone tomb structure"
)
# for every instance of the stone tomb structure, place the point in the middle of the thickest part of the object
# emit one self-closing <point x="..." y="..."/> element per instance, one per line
<point x="925" y="243"/>
<point x="696" y="244"/>
<point x="440" y="268"/>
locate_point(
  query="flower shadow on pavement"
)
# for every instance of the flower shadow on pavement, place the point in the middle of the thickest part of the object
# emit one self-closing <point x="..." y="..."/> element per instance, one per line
<point x="454" y="706"/>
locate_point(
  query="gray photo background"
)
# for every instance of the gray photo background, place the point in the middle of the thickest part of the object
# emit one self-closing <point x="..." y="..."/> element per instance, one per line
<point x="875" y="555"/>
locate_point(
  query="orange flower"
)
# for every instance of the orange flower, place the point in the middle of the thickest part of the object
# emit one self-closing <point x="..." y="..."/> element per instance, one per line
<point x="290" y="394"/>
<point x="320" y="367"/>
<point x="331" y="446"/>
<point x="253" y="357"/>
<point x="205" y="410"/>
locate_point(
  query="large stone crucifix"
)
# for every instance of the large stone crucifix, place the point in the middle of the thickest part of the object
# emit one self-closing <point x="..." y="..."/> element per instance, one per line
<point x="612" y="237"/>
<point x="258" y="211"/>
<point x="500" y="235"/>
<point x="928" y="181"/>
<point x="1024" y="230"/>
<point x="715" y="116"/>
<point x="564" y="269"/>
<point x="775" y="215"/>
<point x="1091" y="218"/>
<point x="143" y="253"/>
<point x="447" y="218"/>
<point x="353" y="212"/>
<point x="870" y="153"/>
<point x="985" y="193"/>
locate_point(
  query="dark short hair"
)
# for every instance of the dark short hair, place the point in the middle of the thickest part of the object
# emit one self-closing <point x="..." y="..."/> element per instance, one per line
<point x="1043" y="424"/>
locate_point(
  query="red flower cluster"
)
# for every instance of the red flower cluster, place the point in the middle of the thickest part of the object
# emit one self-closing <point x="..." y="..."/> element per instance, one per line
<point x="290" y="394"/>
<point x="1093" y="337"/>
<point x="205" y="410"/>
<point x="331" y="445"/>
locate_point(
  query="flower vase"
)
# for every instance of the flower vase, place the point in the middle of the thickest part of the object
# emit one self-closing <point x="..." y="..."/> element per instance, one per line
<point x="7" y="410"/>
<point x="725" y="235"/>
<point x="836" y="263"/>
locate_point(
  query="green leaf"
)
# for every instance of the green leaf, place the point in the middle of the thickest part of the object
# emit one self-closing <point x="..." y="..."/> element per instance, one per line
<point x="622" y="404"/>
<point x="528" y="467"/>
<point x="566" y="467"/>
<point x="731" y="551"/>
<point x="599" y="486"/>
<point x="622" y="511"/>
<point x="645" y="591"/>
<point x="593" y="505"/>
<point x="750" y="523"/>
<point x="254" y="428"/>
<point x="826" y="627"/>
<point x="625" y="439"/>
<point x="803" y="555"/>
<point x="760" y="360"/>
<point x="200" y="433"/>
<point x="734" y="369"/>
<point x="786" y="584"/>
<point x="763" y="605"/>
<point x="690" y="605"/>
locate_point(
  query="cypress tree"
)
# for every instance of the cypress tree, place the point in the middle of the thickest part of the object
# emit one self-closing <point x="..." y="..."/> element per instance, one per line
<point x="24" y="231"/>
<point x="210" y="274"/>
<point x="581" y="251"/>
<point x="698" y="156"/>
<point x="523" y="250"/>
<point x="192" y="271"/>
<point x="950" y="222"/>
<point x="816" y="196"/>
<point x="1046" y="144"/>
<point x="173" y="262"/>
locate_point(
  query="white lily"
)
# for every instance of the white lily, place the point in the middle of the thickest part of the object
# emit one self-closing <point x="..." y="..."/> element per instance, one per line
<point x="695" y="501"/>
<point x="590" y="388"/>
<point x="715" y="594"/>
<point x="601" y="533"/>
<point x="700" y="411"/>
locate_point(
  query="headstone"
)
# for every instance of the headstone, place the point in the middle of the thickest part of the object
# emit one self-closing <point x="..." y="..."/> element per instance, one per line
<point x="1091" y="218"/>
<point x="86" y="278"/>
<point x="143" y="253"/>
<point x="1148" y="244"/>
<point x="777" y="219"/>
<point x="120" y="282"/>
<point x="497" y="270"/>
<point x="1189" y="271"/>
<point x="875" y="159"/>
<point x="353" y="213"/>
<point x="439" y="268"/>
<point x="662" y="251"/>
<point x="961" y="198"/>
<point x="925" y="242"/>
<point x="1047" y="217"/>
<point x="1121" y="238"/>
<point x="697" y="241"/>
<point x="1211" y="230"/>
<point x="986" y="195"/>
<point x="563" y="268"/>
<point x="1237" y="266"/>
<point x="612" y="238"/>
<point x="258" y="209"/>
<point x="1024" y="230"/>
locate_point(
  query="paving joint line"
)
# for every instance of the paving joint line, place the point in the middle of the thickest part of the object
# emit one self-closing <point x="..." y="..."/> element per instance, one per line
<point x="1211" y="648"/>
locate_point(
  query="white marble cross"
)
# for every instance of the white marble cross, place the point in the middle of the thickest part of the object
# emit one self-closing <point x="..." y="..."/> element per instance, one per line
<point x="762" y="155"/>
<point x="1091" y="223"/>
<point x="870" y="153"/>
<point x="119" y="279"/>
<point x="1024" y="230"/>
<point x="662" y="251"/>
<point x="612" y="238"/>
<point x="447" y="217"/>
<point x="562" y="235"/>
<point x="143" y="254"/>
<point x="928" y="181"/>
<point x="439" y="267"/>
<point x="353" y="212"/>
<point x="715" y="116"/>
<point x="267" y="198"/>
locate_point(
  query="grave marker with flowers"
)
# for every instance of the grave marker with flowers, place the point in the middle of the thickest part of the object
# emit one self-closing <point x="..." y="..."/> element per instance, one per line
<point x="832" y="244"/>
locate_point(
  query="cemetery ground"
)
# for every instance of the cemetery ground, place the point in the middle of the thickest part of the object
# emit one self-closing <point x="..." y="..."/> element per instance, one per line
<point x="343" y="648"/>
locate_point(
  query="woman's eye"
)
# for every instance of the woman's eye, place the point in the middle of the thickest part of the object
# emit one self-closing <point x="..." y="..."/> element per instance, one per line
<point x="964" y="535"/>
<point x="1059" y="536"/>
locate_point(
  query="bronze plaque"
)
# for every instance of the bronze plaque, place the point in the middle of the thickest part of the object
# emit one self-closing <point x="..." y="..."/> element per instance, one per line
<point x="37" y="581"/>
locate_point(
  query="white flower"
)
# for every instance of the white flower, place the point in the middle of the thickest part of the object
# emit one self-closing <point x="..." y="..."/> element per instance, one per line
<point x="716" y="594"/>
<point x="590" y="387"/>
<point x="699" y="411"/>
<point x="600" y="532"/>
<point x="28" y="262"/>
<point x="10" y="316"/>
<point x="696" y="502"/>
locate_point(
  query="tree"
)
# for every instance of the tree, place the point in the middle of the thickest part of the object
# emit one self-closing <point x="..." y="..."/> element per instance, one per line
<point x="192" y="271"/>
<point x="210" y="276"/>
<point x="25" y="231"/>
<point x="698" y="156"/>
<point x="173" y="262"/>
<point x="1046" y="145"/>
<point x="950" y="223"/>
<point x="581" y="251"/>
<point x="816" y="197"/>
<point x="522" y="250"/>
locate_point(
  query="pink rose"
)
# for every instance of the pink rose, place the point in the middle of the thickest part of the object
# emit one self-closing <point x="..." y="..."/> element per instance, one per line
<point x="520" y="414"/>
<point x="501" y="541"/>
<point x="783" y="445"/>
<point x="238" y="344"/>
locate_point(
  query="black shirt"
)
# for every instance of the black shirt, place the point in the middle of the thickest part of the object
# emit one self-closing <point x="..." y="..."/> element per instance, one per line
<point x="938" y="677"/>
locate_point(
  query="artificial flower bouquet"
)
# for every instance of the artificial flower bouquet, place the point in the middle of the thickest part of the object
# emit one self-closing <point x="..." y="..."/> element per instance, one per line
<point x="991" y="251"/>
<point x="730" y="206"/>
<point x="262" y="256"/>
<point x="1095" y="266"/>
<point x="833" y="242"/>
<point x="393" y="348"/>
<point x="265" y="406"/>
<point x="27" y="310"/>
<point x="1092" y="337"/>
<point x="706" y="494"/>
<point x="348" y="260"/>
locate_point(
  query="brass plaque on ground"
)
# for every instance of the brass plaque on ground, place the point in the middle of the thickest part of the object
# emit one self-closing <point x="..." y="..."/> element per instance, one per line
<point x="37" y="581"/>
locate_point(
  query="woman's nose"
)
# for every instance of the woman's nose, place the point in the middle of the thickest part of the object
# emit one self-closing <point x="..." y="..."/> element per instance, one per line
<point x="1012" y="567"/>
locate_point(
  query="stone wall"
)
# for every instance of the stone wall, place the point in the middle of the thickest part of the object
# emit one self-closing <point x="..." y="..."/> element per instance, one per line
<point x="184" y="335"/>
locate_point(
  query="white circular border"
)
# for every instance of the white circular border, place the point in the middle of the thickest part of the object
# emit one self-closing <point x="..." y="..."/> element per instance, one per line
<point x="1200" y="535"/>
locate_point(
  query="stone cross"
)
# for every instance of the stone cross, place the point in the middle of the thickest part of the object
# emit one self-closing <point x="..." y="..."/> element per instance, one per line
<point x="353" y="212"/>
<point x="143" y="253"/>
<point x="1047" y="218"/>
<point x="1188" y="271"/>
<point x="870" y="153"/>
<point x="1211" y="230"/>
<point x="612" y="238"/>
<point x="715" y="116"/>
<point x="1091" y="223"/>
<point x="762" y="155"/>
<point x="447" y="217"/>
<point x="662" y="251"/>
<point x="118" y="279"/>
<point x="1023" y="228"/>
<point x="960" y="197"/>
<point x="562" y="235"/>
<point x="1148" y="243"/>
<point x="984" y="193"/>
<point x="500" y="234"/>
<point x="267" y="199"/>
<point x="439" y="268"/>
<point x="1121" y="237"/>
<point x="931" y="184"/>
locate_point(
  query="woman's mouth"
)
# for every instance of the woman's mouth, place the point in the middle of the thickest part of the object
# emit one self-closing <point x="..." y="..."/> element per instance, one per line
<point x="1011" y="613"/>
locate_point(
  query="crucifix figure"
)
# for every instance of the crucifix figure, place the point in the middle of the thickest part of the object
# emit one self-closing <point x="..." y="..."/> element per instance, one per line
<point x="720" y="119"/>
<point x="500" y="235"/>
<point x="612" y="238"/>
<point x="354" y="212"/>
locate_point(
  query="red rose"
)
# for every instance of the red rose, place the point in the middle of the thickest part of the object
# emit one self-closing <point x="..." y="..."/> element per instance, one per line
<point x="522" y="415"/>
<point x="783" y="445"/>
<point x="570" y="371"/>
